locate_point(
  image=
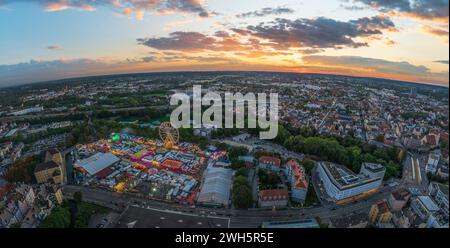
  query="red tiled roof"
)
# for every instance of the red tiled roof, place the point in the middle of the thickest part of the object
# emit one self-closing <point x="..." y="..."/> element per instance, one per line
<point x="299" y="174"/>
<point x="270" y="160"/>
<point x="273" y="194"/>
<point x="431" y="140"/>
<point x="383" y="207"/>
<point x="104" y="173"/>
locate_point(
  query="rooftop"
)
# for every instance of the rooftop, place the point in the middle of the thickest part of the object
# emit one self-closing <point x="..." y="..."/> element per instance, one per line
<point x="273" y="194"/>
<point x="270" y="160"/>
<point x="97" y="162"/>
<point x="349" y="221"/>
<point x="46" y="166"/>
<point x="343" y="177"/>
<point x="401" y="194"/>
<point x="374" y="167"/>
<point x="216" y="186"/>
<point x="428" y="203"/>
<point x="299" y="174"/>
<point x="383" y="207"/>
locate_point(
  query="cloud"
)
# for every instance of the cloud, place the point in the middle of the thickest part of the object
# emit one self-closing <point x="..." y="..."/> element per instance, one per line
<point x="45" y="70"/>
<point x="419" y="9"/>
<point x="126" y="7"/>
<point x="319" y="32"/>
<point x="39" y="70"/>
<point x="352" y="7"/>
<point x="187" y="41"/>
<point x="42" y="70"/>
<point x="441" y="62"/>
<point x="266" y="12"/>
<point x="310" y="51"/>
<point x="376" y="64"/>
<point x="54" y="47"/>
<point x="280" y="37"/>
<point x="376" y="67"/>
<point x="438" y="32"/>
<point x="281" y="34"/>
<point x="149" y="59"/>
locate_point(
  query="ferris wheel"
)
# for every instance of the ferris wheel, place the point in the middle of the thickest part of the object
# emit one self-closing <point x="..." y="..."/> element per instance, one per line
<point x="168" y="134"/>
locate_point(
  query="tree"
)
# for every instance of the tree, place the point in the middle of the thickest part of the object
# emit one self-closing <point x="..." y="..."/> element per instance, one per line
<point x="237" y="164"/>
<point x="58" y="218"/>
<point x="240" y="180"/>
<point x="308" y="165"/>
<point x="235" y="152"/>
<point x="222" y="146"/>
<point x="242" y="172"/>
<point x="242" y="197"/>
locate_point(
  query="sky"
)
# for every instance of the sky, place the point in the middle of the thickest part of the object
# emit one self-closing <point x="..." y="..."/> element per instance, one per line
<point x="44" y="40"/>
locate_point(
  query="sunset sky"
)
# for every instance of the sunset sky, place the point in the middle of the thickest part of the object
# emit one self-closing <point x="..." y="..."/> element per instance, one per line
<point x="395" y="39"/>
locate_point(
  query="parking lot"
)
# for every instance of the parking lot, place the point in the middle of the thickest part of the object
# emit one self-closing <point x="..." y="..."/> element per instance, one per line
<point x="138" y="217"/>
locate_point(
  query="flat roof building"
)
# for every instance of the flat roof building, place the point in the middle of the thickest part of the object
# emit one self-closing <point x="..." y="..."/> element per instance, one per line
<point x="341" y="183"/>
<point x="306" y="223"/>
<point x="216" y="187"/>
<point x="96" y="163"/>
<point x="424" y="206"/>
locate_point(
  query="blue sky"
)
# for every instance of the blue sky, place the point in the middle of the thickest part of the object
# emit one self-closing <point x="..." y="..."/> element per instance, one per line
<point x="52" y="39"/>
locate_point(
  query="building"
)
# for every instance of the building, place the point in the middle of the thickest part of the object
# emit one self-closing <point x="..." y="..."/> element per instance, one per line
<point x="437" y="220"/>
<point x="341" y="183"/>
<point x="351" y="221"/>
<point x="47" y="171"/>
<point x="432" y="163"/>
<point x="398" y="199"/>
<point x="380" y="213"/>
<point x="59" y="197"/>
<point x="269" y="163"/>
<point x="28" y="111"/>
<point x="431" y="140"/>
<point x="371" y="170"/>
<point x="306" y="223"/>
<point x="28" y="205"/>
<point x="424" y="206"/>
<point x="439" y="193"/>
<point x="273" y="198"/>
<point x="443" y="170"/>
<point x="97" y="164"/>
<point x="295" y="173"/>
<point x="58" y="157"/>
<point x="216" y="187"/>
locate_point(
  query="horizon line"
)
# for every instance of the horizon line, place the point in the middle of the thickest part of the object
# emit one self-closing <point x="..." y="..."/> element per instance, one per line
<point x="205" y="71"/>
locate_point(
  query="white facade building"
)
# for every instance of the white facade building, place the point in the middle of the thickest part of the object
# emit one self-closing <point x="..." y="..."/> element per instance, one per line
<point x="341" y="183"/>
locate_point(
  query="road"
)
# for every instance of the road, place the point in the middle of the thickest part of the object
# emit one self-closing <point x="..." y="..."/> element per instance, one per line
<point x="414" y="174"/>
<point x="239" y="218"/>
<point x="326" y="116"/>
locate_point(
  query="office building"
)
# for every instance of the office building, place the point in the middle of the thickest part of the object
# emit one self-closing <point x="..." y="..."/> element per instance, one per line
<point x="341" y="183"/>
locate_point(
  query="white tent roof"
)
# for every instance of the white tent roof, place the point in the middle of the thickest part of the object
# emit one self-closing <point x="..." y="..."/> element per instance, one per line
<point x="217" y="185"/>
<point x="97" y="162"/>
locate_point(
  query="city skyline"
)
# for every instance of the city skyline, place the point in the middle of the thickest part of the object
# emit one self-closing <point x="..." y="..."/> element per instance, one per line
<point x="54" y="39"/>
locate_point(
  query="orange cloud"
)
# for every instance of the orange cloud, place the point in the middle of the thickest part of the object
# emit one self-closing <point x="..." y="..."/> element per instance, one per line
<point x="59" y="7"/>
<point x="441" y="33"/>
<point x="56" y="7"/>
